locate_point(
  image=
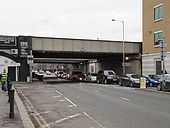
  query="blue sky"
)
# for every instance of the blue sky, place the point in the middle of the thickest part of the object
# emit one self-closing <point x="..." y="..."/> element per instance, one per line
<point x="86" y="19"/>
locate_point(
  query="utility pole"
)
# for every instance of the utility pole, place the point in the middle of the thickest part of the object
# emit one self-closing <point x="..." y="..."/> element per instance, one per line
<point x="163" y="45"/>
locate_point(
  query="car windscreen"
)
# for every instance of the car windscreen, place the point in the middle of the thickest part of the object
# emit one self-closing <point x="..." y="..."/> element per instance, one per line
<point x="153" y="77"/>
<point x="93" y="74"/>
<point x="136" y="76"/>
<point x="109" y="73"/>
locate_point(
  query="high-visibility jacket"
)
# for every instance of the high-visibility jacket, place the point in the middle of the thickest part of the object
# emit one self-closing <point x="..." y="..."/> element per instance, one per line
<point x="4" y="77"/>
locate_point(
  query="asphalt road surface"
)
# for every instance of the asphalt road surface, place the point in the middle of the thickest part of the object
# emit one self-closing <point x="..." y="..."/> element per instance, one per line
<point x="90" y="105"/>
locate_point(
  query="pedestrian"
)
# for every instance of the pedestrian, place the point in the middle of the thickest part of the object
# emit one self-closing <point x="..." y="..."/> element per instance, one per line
<point x="4" y="80"/>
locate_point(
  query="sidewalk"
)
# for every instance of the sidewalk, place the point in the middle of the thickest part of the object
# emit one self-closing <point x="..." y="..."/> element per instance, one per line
<point x="5" y="121"/>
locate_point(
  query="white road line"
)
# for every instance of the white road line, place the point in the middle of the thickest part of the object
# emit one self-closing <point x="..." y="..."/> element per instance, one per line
<point x="46" y="112"/>
<point x="70" y="102"/>
<point x="64" y="119"/>
<point x="62" y="100"/>
<point x="47" y="91"/>
<point x="67" y="118"/>
<point x="23" y="87"/>
<point x="70" y="106"/>
<point x="58" y="92"/>
<point x="93" y="120"/>
<point x="95" y="90"/>
<point x="123" y="98"/>
<point x="55" y="96"/>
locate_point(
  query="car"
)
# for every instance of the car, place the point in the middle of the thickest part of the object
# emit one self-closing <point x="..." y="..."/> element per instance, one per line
<point x="153" y="80"/>
<point x="130" y="80"/>
<point x="40" y="75"/>
<point x="59" y="74"/>
<point x="48" y="72"/>
<point x="164" y="84"/>
<point x="91" y="77"/>
<point x="106" y="76"/>
<point x="76" y="75"/>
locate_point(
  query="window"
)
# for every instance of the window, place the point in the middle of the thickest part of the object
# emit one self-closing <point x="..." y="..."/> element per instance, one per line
<point x="158" y="12"/>
<point x="158" y="67"/>
<point x="157" y="36"/>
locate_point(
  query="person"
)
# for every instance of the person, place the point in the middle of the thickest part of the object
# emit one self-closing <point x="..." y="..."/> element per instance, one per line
<point x="4" y="80"/>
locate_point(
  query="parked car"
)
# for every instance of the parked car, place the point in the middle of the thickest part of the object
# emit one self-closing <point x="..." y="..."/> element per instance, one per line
<point x="164" y="84"/>
<point x="106" y="76"/>
<point x="76" y="75"/>
<point x="131" y="80"/>
<point x="48" y="72"/>
<point x="153" y="80"/>
<point x="91" y="77"/>
<point x="59" y="74"/>
<point x="40" y="75"/>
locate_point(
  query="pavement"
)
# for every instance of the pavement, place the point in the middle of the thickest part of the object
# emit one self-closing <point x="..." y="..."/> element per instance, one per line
<point x="21" y="118"/>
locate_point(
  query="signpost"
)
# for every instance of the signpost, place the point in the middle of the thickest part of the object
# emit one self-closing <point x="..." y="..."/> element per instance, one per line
<point x="163" y="45"/>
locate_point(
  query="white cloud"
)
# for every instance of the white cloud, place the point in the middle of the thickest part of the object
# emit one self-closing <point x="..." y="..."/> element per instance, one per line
<point x="72" y="18"/>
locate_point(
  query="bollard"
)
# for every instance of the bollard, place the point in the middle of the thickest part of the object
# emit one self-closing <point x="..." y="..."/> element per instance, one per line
<point x="9" y="86"/>
<point x="11" y="95"/>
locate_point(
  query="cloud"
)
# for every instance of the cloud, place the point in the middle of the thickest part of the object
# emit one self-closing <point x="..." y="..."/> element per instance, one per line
<point x="72" y="18"/>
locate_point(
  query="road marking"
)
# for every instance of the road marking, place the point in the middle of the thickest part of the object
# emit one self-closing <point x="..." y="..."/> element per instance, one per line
<point x="62" y="100"/>
<point x="63" y="119"/>
<point x="23" y="87"/>
<point x="46" y="112"/>
<point x="123" y="98"/>
<point x="47" y="85"/>
<point x="47" y="91"/>
<point x="70" y="102"/>
<point x="70" y="106"/>
<point x="55" y="96"/>
<point x="93" y="120"/>
<point x="95" y="90"/>
<point x="58" y="92"/>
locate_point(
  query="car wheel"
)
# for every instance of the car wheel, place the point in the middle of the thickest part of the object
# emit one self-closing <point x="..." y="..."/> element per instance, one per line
<point x="105" y="81"/>
<point x="159" y="87"/>
<point x="98" y="81"/>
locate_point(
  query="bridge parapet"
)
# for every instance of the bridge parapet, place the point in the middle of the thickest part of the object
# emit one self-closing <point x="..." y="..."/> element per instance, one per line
<point x="76" y="45"/>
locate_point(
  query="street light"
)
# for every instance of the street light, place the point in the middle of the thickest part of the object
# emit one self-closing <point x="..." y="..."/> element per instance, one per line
<point x="123" y="47"/>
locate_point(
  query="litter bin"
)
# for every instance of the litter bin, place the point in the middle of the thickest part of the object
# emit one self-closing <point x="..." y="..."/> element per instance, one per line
<point x="142" y="82"/>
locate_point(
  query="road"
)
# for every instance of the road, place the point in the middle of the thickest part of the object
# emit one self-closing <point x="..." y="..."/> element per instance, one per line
<point x="90" y="105"/>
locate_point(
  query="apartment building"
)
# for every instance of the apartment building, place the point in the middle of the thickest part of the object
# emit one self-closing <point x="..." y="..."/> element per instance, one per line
<point x="156" y="25"/>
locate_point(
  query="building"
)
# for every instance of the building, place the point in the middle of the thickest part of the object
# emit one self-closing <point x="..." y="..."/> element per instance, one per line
<point x="156" y="25"/>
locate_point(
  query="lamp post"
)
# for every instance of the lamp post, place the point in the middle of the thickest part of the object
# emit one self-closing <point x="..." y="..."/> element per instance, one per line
<point x="123" y="45"/>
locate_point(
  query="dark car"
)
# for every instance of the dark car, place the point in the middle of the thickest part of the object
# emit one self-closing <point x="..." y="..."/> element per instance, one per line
<point x="130" y="80"/>
<point x="106" y="76"/>
<point x="153" y="80"/>
<point x="164" y="84"/>
<point x="77" y="75"/>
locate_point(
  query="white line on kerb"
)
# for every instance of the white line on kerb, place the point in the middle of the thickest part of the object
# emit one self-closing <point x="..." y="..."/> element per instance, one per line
<point x="70" y="101"/>
<point x="123" y="98"/>
<point x="93" y="120"/>
<point x="58" y="92"/>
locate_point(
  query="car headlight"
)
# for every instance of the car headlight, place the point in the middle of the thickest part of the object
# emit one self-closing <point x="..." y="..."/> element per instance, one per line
<point x="155" y="81"/>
